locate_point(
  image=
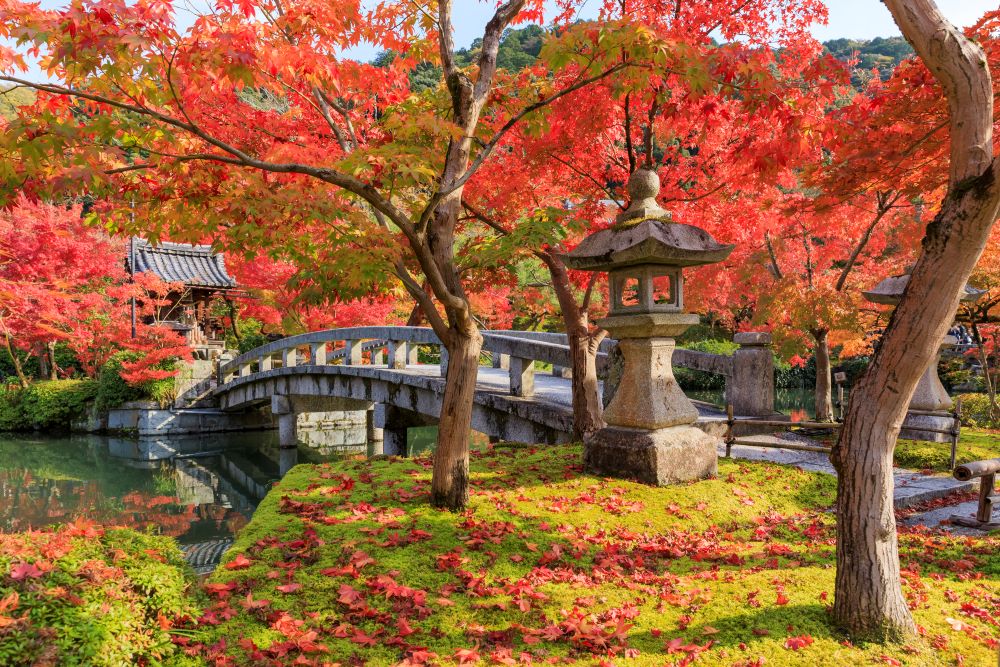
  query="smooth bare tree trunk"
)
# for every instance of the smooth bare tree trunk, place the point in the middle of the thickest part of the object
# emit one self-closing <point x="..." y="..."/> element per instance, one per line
<point x="22" y="379"/>
<point x="450" y="481"/>
<point x="583" y="348"/>
<point x="824" y="376"/>
<point x="50" y="349"/>
<point x="868" y="600"/>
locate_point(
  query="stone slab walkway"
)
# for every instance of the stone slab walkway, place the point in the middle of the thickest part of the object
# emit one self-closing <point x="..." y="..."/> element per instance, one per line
<point x="912" y="488"/>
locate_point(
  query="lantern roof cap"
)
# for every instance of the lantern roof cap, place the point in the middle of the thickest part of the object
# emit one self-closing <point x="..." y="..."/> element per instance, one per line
<point x="890" y="290"/>
<point x="645" y="234"/>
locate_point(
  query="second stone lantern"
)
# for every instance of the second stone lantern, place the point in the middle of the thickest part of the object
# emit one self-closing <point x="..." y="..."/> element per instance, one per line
<point x="650" y="435"/>
<point x="927" y="418"/>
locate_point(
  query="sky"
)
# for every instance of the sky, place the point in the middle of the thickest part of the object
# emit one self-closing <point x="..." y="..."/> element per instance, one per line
<point x="858" y="19"/>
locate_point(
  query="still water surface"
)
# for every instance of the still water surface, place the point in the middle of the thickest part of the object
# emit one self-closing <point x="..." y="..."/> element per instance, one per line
<point x="198" y="490"/>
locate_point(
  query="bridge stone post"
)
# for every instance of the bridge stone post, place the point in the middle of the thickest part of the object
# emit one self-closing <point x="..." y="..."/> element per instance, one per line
<point x="289" y="357"/>
<point x="352" y="350"/>
<point x="750" y="389"/>
<point x="412" y="354"/>
<point x="374" y="432"/>
<point x="522" y="376"/>
<point x="501" y="361"/>
<point x="318" y="353"/>
<point x="397" y="354"/>
<point x="378" y="356"/>
<point x="265" y="363"/>
<point x="281" y="408"/>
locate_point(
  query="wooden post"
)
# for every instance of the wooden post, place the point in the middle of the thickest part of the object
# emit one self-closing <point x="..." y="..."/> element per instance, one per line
<point x="522" y="376"/>
<point x="956" y="430"/>
<point x="730" y="432"/>
<point x="984" y="513"/>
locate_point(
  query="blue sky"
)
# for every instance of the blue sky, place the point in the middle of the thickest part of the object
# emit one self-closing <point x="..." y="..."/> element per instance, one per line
<point x="862" y="19"/>
<point x="848" y="18"/>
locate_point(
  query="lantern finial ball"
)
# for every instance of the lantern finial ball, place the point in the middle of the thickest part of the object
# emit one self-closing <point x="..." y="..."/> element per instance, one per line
<point x="643" y="184"/>
<point x="643" y="187"/>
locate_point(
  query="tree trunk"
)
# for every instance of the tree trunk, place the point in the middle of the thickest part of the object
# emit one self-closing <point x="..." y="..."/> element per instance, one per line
<point x="583" y="348"/>
<point x="450" y="480"/>
<point x="50" y="349"/>
<point x="868" y="598"/>
<point x="824" y="379"/>
<point x="41" y="353"/>
<point x="18" y="370"/>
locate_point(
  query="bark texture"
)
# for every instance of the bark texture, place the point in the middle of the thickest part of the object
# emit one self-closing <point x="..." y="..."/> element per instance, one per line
<point x="869" y="602"/>
<point x="435" y="251"/>
<point x="824" y="376"/>
<point x="583" y="348"/>
<point x="450" y="480"/>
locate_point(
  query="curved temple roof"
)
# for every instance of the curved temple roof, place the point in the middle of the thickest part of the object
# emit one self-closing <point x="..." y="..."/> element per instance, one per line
<point x="193" y="265"/>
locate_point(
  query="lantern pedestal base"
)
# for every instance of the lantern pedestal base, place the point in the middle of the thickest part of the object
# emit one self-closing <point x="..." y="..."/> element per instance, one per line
<point x="661" y="457"/>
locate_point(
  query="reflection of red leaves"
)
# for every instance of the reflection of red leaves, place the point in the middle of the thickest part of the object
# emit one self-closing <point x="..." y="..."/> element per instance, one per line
<point x="796" y="643"/>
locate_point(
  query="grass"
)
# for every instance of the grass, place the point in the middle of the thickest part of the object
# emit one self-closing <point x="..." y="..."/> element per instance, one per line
<point x="347" y="563"/>
<point x="973" y="445"/>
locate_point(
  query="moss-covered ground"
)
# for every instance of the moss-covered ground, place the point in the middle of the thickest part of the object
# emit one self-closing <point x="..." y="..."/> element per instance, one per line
<point x="346" y="563"/>
<point x="973" y="445"/>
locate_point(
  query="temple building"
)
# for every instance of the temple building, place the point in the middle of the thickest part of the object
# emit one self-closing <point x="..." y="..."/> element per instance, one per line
<point x="205" y="279"/>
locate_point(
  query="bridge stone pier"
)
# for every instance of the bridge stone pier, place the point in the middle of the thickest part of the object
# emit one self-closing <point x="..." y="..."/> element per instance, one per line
<point x="378" y="370"/>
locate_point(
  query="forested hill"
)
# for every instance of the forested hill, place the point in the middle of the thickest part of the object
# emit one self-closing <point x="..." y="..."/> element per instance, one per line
<point x="520" y="48"/>
<point x="881" y="53"/>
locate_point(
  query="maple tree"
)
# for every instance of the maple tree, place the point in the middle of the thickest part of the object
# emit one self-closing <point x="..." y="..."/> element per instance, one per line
<point x="868" y="598"/>
<point x="252" y="116"/>
<point x="716" y="133"/>
<point x="61" y="280"/>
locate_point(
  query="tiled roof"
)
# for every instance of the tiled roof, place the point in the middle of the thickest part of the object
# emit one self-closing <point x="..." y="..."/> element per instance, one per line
<point x="194" y="265"/>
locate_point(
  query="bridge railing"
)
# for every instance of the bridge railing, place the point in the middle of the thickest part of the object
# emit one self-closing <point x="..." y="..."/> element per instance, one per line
<point x="749" y="372"/>
<point x="397" y="348"/>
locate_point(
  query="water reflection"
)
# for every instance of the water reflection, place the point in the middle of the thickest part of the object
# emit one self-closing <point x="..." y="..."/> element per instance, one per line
<point x="195" y="489"/>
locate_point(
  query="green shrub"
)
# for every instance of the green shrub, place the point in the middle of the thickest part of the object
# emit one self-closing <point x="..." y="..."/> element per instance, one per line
<point x="54" y="405"/>
<point x="251" y="336"/>
<point x="976" y="412"/>
<point x="83" y="595"/>
<point x="693" y="380"/>
<point x="12" y="416"/>
<point x="112" y="390"/>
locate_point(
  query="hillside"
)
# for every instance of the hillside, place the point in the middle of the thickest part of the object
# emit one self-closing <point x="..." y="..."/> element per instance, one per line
<point x="520" y="48"/>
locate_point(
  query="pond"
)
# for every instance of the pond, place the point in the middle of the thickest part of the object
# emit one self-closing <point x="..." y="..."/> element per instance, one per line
<point x="199" y="490"/>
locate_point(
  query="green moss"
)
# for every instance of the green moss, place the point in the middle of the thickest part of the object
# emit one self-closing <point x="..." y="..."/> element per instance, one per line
<point x="973" y="445"/>
<point x="735" y="565"/>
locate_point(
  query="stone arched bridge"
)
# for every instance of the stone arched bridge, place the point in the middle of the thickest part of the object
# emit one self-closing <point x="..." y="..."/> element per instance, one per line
<point x="379" y="369"/>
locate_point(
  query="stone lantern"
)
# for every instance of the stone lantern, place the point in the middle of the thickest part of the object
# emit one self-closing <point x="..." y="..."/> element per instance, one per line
<point x="930" y="395"/>
<point x="650" y="434"/>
